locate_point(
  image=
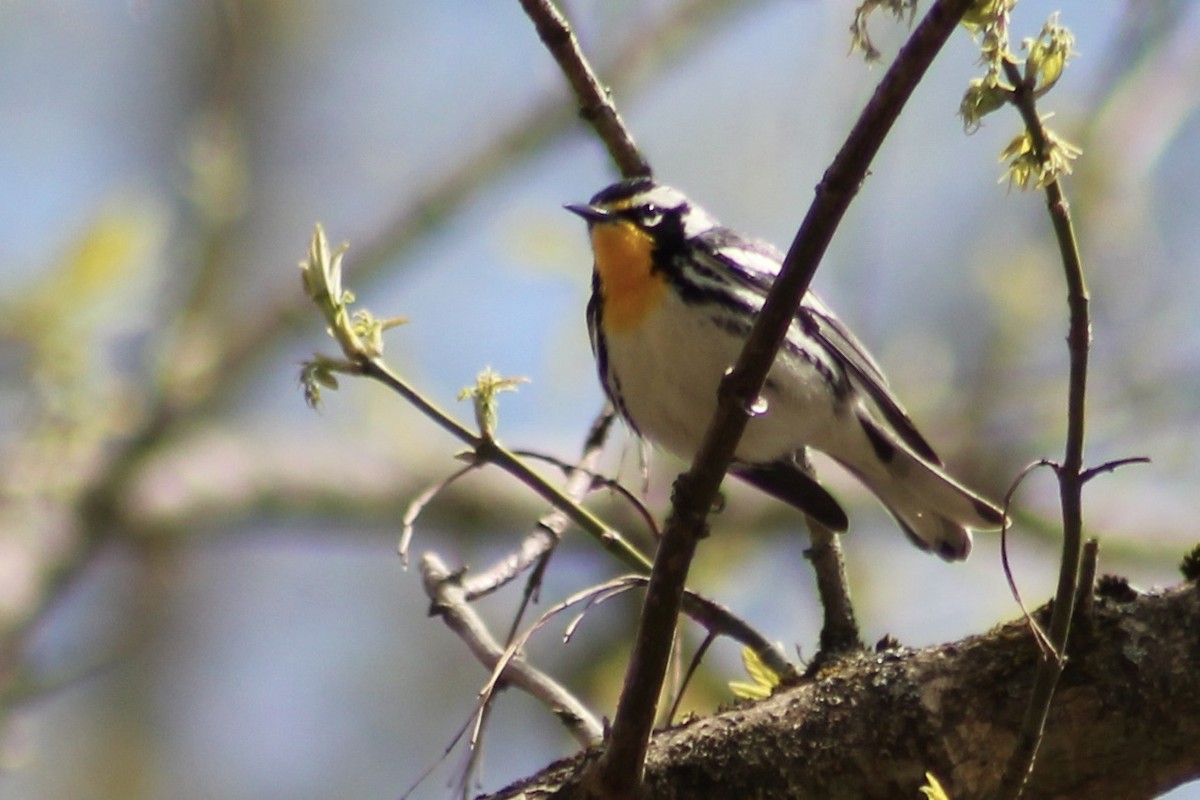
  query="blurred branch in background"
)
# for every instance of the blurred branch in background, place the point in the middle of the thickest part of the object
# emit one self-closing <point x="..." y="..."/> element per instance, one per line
<point x="92" y="513"/>
<point x="204" y="347"/>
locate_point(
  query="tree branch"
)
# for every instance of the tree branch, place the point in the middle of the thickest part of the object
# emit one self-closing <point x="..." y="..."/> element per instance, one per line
<point x="619" y="771"/>
<point x="449" y="601"/>
<point x="873" y="727"/>
<point x="839" y="630"/>
<point x="549" y="529"/>
<point x="595" y="104"/>
<point x="1070" y="472"/>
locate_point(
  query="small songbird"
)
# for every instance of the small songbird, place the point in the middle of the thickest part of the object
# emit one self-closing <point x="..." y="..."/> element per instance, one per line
<point x="674" y="295"/>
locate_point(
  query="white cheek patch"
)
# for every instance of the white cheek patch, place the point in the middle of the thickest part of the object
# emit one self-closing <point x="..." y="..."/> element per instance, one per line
<point x="696" y="222"/>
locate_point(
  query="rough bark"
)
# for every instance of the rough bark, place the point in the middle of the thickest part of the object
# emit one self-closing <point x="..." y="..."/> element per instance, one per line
<point x="1125" y="722"/>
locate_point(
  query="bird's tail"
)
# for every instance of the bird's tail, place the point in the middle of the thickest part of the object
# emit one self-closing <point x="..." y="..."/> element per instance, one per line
<point x="933" y="508"/>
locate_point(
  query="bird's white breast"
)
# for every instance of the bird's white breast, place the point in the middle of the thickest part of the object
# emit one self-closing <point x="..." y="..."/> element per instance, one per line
<point x="671" y="365"/>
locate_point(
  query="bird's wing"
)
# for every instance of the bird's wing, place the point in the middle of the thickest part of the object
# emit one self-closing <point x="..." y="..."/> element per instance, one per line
<point x="818" y="321"/>
<point x="756" y="265"/>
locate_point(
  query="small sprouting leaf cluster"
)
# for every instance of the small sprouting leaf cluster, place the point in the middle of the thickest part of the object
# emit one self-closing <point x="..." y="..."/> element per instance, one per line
<point x="933" y="788"/>
<point x="1030" y="164"/>
<point x="763" y="680"/>
<point x="860" y="38"/>
<point x="488" y="384"/>
<point x="360" y="334"/>
<point x="1033" y="161"/>
<point x="1027" y="168"/>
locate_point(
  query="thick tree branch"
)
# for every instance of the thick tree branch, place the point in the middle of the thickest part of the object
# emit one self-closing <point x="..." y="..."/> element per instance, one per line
<point x="1124" y="723"/>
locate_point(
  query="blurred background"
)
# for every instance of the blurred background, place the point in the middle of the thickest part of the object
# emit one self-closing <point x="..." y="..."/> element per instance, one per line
<point x="200" y="595"/>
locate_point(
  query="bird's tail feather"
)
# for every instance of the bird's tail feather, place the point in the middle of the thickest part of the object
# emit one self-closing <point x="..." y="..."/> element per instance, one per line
<point x="935" y="510"/>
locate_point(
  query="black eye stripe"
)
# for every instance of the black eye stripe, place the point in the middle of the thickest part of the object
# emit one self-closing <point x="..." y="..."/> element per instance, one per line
<point x="648" y="215"/>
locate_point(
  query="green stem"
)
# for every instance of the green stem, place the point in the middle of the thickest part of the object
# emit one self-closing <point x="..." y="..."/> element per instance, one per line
<point x="492" y="452"/>
<point x="1070" y="472"/>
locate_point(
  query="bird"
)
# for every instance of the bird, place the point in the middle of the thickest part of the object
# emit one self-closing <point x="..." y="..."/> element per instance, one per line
<point x="674" y="296"/>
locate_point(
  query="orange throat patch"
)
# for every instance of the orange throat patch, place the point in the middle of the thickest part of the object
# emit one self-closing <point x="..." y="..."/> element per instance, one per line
<point x="624" y="261"/>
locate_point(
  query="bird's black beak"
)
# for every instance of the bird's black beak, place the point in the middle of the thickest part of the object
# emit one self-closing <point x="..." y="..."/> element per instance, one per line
<point x="589" y="213"/>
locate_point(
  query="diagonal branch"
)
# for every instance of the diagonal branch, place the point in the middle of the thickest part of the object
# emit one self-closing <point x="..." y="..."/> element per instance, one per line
<point x="549" y="529"/>
<point x="620" y="770"/>
<point x="488" y="450"/>
<point x="595" y="104"/>
<point x="449" y="601"/>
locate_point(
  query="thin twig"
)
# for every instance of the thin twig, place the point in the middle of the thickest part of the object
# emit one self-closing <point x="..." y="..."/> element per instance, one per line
<point x="474" y="756"/>
<point x="550" y="528"/>
<point x="449" y="603"/>
<point x="604" y="482"/>
<point x="536" y="547"/>
<point x="1110" y="466"/>
<point x="693" y="665"/>
<point x="1039" y="635"/>
<point x="508" y="657"/>
<point x="839" y="630"/>
<point x="716" y="618"/>
<point x="489" y="451"/>
<point x="595" y="104"/>
<point x="1070" y="471"/>
<point x="424" y="774"/>
<point x="620" y="769"/>
<point x="485" y="450"/>
<point x="1085" y="603"/>
<point x="720" y="620"/>
<point x="598" y="598"/>
<point x="532" y="590"/>
<point x="418" y="504"/>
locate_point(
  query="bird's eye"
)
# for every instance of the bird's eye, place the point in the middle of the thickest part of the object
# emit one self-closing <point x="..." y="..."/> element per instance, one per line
<point x="651" y="215"/>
